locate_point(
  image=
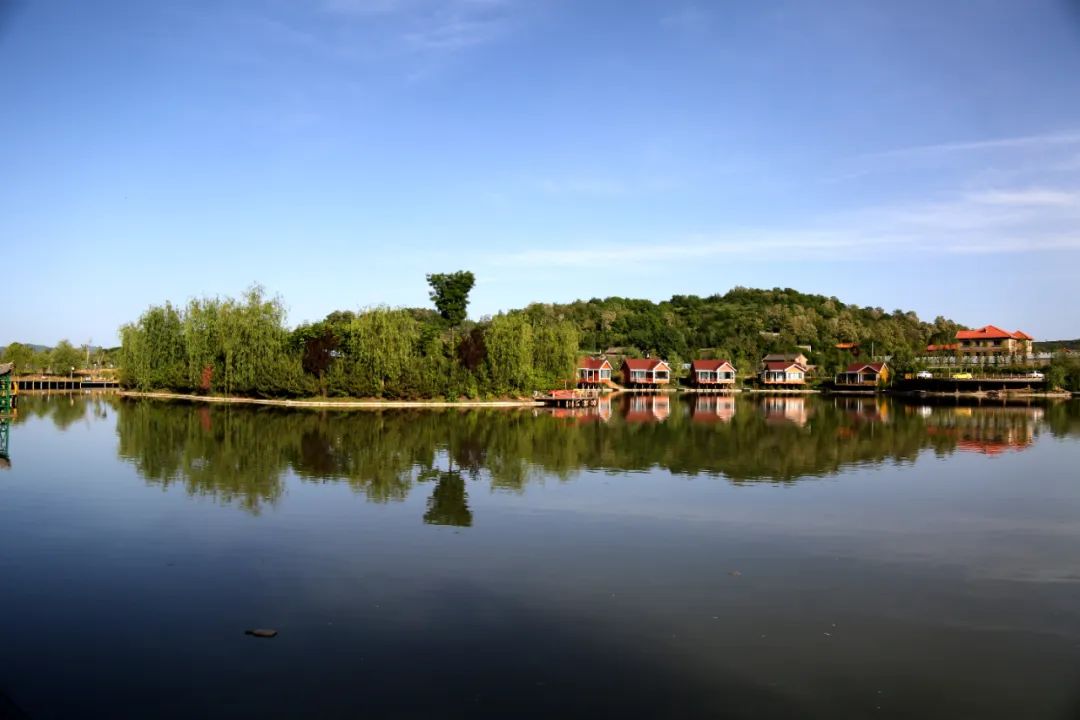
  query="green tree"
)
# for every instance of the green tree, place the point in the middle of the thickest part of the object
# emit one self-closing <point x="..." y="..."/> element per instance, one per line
<point x="450" y="293"/>
<point x="63" y="358"/>
<point x="19" y="354"/>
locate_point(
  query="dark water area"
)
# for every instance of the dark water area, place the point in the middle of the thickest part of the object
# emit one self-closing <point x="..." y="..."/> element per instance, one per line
<point x="658" y="557"/>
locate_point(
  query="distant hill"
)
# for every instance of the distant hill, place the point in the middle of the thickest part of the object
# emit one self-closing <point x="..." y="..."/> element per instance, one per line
<point x="1055" y="345"/>
<point x="32" y="346"/>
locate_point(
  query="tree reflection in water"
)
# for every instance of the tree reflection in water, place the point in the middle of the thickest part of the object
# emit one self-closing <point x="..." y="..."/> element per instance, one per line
<point x="243" y="455"/>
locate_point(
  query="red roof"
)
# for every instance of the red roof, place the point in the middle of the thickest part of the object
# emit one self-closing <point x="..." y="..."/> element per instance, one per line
<point x="643" y="363"/>
<point x="991" y="332"/>
<point x="859" y="367"/>
<point x="936" y="348"/>
<point x="710" y="365"/>
<point x="591" y="363"/>
<point x="846" y="345"/>
<point x="783" y="366"/>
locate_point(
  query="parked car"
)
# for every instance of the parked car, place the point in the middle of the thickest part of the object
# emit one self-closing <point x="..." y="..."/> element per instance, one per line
<point x="924" y="375"/>
<point x="962" y="376"/>
<point x="1035" y="375"/>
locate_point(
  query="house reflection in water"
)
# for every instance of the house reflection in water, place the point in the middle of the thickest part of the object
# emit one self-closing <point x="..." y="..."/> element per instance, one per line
<point x="785" y="409"/>
<point x="647" y="408"/>
<point x="863" y="409"/>
<point x="989" y="431"/>
<point x="713" y="408"/>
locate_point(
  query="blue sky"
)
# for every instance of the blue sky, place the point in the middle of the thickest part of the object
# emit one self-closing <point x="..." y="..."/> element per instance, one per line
<point x="914" y="155"/>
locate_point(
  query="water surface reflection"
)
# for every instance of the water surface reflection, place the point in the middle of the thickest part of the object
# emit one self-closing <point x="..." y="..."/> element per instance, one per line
<point x="712" y="556"/>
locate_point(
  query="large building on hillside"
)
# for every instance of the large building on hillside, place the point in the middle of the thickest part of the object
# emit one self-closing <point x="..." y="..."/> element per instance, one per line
<point x="992" y="341"/>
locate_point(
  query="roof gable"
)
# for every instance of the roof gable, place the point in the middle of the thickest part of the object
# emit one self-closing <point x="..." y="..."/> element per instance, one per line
<point x="645" y="364"/>
<point x="989" y="332"/>
<point x="591" y="363"/>
<point x="784" y="366"/>
<point x="876" y="368"/>
<point x="710" y="365"/>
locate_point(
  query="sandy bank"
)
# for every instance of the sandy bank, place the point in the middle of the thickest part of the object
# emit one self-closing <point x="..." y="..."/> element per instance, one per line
<point x="336" y="404"/>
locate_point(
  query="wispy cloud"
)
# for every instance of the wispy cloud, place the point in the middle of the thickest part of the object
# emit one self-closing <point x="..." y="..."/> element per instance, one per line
<point x="688" y="19"/>
<point x="988" y="223"/>
<point x="1048" y="140"/>
<point x="1038" y="197"/>
<point x="1011" y="156"/>
<point x="433" y="25"/>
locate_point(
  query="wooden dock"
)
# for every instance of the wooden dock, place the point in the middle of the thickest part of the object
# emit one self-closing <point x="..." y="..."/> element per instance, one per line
<point x="569" y="398"/>
<point x="51" y="383"/>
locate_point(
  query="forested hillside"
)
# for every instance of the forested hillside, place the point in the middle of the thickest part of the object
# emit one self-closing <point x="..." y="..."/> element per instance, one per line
<point x="245" y="347"/>
<point x="744" y="324"/>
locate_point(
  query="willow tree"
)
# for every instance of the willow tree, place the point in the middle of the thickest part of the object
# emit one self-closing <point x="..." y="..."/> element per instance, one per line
<point x="509" y="342"/>
<point x="153" y="354"/>
<point x="203" y="342"/>
<point x="254" y="346"/>
<point x="381" y="347"/>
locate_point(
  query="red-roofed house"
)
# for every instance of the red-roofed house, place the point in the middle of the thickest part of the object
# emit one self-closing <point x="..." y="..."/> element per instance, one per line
<point x="593" y="371"/>
<point x="780" y="373"/>
<point x="712" y="374"/>
<point x="645" y="371"/>
<point x="864" y="375"/>
<point x="991" y="341"/>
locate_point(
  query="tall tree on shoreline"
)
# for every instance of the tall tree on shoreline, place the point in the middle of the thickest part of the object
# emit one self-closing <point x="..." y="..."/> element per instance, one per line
<point x="450" y="293"/>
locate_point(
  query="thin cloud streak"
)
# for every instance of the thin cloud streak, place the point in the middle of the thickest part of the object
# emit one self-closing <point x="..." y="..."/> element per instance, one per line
<point x="432" y="26"/>
<point x="1024" y="141"/>
<point x="990" y="223"/>
<point x="1028" y="198"/>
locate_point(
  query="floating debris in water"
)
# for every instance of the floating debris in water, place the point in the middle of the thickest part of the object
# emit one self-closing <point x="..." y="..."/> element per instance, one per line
<point x="261" y="633"/>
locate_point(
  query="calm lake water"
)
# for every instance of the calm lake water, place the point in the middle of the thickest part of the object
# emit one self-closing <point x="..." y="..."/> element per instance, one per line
<point x="765" y="557"/>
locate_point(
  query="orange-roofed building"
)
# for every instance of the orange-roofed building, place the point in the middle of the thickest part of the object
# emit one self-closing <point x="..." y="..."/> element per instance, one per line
<point x="864" y="375"/>
<point x="992" y="341"/>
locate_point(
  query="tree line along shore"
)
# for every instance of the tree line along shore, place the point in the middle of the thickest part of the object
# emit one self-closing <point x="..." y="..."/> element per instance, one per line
<point x="244" y="346"/>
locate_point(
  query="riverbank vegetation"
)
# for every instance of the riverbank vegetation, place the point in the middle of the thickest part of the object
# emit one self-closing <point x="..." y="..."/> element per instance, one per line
<point x="244" y="346"/>
<point x="229" y="346"/>
<point x="61" y="359"/>
<point x="1064" y="371"/>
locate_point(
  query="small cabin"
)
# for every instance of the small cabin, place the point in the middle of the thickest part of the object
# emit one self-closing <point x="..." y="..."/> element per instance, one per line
<point x="869" y="375"/>
<point x="645" y="372"/>
<point x="781" y="374"/>
<point x="593" y="371"/>
<point x="712" y="374"/>
<point x="798" y="358"/>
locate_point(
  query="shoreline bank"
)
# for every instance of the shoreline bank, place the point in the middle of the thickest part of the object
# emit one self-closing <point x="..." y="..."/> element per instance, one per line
<point x="333" y="404"/>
